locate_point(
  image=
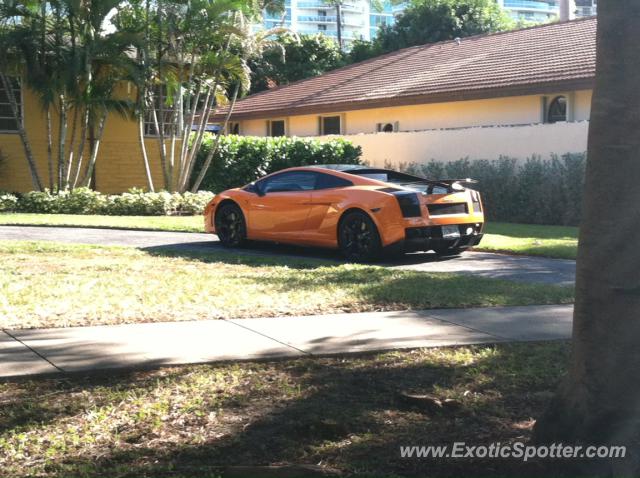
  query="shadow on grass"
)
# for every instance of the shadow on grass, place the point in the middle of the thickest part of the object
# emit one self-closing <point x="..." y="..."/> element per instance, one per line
<point x="274" y="254"/>
<point x="344" y="413"/>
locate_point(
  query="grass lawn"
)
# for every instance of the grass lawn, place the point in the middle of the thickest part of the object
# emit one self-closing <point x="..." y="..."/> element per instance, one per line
<point x="59" y="285"/>
<point x="342" y="412"/>
<point x="531" y="239"/>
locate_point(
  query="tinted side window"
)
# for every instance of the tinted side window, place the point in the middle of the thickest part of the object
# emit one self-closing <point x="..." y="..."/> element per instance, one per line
<point x="327" y="181"/>
<point x="286" y="182"/>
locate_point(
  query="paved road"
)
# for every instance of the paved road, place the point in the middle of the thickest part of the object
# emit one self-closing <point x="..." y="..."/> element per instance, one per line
<point x="500" y="266"/>
<point x="75" y="349"/>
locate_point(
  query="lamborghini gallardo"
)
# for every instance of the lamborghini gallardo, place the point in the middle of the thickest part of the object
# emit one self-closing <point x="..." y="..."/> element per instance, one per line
<point x="361" y="211"/>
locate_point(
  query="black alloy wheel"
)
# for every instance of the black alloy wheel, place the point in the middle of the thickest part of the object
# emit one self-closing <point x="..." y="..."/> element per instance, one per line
<point x="230" y="226"/>
<point x="358" y="237"/>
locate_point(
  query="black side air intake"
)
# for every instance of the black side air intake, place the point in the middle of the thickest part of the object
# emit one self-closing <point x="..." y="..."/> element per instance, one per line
<point x="409" y="203"/>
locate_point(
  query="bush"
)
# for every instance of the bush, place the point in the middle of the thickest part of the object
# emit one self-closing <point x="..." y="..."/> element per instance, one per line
<point x="536" y="191"/>
<point x="8" y="202"/>
<point x="136" y="202"/>
<point x="242" y="159"/>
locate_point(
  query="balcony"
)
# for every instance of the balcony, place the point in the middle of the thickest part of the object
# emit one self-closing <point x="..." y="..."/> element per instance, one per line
<point x="548" y="7"/>
<point x="346" y="35"/>
<point x="347" y="7"/>
<point x="317" y="19"/>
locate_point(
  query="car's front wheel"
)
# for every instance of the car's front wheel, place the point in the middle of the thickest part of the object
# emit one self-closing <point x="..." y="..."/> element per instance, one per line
<point x="358" y="237"/>
<point x="231" y="227"/>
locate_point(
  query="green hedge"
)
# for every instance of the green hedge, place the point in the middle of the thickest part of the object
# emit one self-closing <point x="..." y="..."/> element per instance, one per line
<point x="86" y="201"/>
<point x="242" y="159"/>
<point x="535" y="191"/>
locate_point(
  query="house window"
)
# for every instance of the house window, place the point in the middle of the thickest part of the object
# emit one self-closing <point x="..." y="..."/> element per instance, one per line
<point x="233" y="127"/>
<point x="167" y="121"/>
<point x="557" y="110"/>
<point x="8" y="122"/>
<point x="322" y="28"/>
<point x="276" y="128"/>
<point x="330" y="125"/>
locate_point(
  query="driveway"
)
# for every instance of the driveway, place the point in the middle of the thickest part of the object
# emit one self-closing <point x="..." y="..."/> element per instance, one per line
<point x="484" y="264"/>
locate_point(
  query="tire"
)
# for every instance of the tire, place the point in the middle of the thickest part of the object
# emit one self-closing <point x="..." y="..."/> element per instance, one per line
<point x="358" y="237"/>
<point x="231" y="227"/>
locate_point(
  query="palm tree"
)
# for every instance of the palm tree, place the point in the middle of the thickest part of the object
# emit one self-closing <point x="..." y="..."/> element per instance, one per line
<point x="12" y="69"/>
<point x="73" y="66"/>
<point x="599" y="401"/>
<point x="193" y="60"/>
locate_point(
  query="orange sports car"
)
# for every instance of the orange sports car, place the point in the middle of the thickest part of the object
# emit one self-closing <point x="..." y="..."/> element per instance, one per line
<point x="360" y="210"/>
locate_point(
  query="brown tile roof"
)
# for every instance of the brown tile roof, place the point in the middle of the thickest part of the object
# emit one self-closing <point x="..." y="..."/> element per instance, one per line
<point x="529" y="61"/>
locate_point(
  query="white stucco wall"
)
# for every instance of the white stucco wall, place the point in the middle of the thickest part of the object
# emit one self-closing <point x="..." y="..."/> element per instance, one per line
<point x="476" y="143"/>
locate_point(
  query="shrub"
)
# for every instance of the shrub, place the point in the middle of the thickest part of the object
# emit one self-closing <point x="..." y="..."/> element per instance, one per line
<point x="135" y="202"/>
<point x="536" y="191"/>
<point x="8" y="202"/>
<point x="242" y="159"/>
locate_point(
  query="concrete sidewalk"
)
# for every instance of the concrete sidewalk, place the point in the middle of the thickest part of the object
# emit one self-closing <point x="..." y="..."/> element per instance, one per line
<point x="41" y="351"/>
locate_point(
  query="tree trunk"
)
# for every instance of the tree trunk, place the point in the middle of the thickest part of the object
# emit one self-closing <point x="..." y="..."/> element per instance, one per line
<point x="599" y="401"/>
<point x="88" y="175"/>
<point x="214" y="148"/>
<point x="145" y="157"/>
<point x="339" y="22"/>
<point x="62" y="141"/>
<point x="49" y="147"/>
<point x="24" y="139"/>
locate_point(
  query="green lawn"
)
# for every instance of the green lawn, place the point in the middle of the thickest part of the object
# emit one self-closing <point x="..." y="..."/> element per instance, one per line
<point x="58" y="285"/>
<point x="529" y="239"/>
<point x="342" y="412"/>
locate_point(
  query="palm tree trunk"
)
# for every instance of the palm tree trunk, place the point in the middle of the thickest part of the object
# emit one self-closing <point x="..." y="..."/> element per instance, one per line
<point x="145" y="157"/>
<point x="214" y="148"/>
<point x="599" y="402"/>
<point x="88" y="175"/>
<point x="72" y="142"/>
<point x="62" y="141"/>
<point x="81" y="147"/>
<point x="24" y="139"/>
<point x="339" y="22"/>
<point x="50" y="147"/>
<point x="197" y="142"/>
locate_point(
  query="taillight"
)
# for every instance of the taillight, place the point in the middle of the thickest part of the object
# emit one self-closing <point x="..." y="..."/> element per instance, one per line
<point x="475" y="199"/>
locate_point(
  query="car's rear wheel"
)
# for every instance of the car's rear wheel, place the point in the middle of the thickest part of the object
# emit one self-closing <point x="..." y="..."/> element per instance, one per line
<point x="231" y="227"/>
<point x="358" y="237"/>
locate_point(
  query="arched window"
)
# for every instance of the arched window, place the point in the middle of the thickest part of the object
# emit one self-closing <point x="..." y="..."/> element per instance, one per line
<point x="557" y="110"/>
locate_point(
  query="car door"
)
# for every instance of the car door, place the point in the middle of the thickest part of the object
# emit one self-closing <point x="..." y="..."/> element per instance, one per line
<point x="327" y="200"/>
<point x="281" y="206"/>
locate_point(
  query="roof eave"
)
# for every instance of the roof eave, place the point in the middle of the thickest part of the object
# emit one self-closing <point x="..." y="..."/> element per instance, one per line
<point x="582" y="83"/>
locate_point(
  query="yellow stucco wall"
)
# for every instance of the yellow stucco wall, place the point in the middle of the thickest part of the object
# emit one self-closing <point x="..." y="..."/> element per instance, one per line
<point x="119" y="166"/>
<point x="516" y="110"/>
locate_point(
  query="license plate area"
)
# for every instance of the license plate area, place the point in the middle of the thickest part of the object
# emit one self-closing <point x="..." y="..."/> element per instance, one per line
<point x="450" y="232"/>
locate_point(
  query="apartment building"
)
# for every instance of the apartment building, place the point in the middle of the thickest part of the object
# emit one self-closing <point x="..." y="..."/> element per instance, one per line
<point x="359" y="19"/>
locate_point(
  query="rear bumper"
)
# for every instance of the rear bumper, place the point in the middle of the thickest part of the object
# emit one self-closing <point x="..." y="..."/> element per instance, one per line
<point x="430" y="238"/>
